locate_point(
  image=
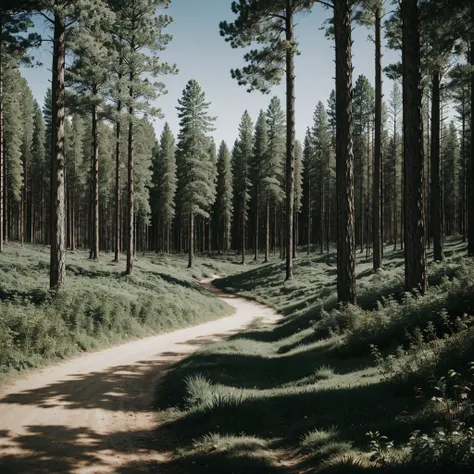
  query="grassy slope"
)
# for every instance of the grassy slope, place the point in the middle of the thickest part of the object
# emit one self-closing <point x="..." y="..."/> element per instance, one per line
<point x="98" y="306"/>
<point x="297" y="390"/>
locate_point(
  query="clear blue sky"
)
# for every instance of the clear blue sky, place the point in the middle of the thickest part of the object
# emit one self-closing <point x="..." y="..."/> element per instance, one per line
<point x="200" y="53"/>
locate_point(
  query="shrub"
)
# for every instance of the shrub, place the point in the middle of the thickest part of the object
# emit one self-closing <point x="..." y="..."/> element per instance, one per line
<point x="316" y="438"/>
<point x="198" y="391"/>
<point x="387" y="325"/>
<point x="337" y="321"/>
<point x="324" y="372"/>
<point x="452" y="442"/>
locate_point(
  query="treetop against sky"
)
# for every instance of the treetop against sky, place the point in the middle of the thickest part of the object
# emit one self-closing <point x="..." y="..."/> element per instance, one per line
<point x="202" y="54"/>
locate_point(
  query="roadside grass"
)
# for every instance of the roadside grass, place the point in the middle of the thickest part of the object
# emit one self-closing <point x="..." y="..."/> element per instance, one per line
<point x="98" y="306"/>
<point x="303" y="393"/>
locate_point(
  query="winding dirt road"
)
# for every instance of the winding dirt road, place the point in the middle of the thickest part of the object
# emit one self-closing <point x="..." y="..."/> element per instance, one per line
<point x="94" y="414"/>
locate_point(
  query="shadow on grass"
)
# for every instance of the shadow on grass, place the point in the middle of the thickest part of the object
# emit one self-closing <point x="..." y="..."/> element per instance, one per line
<point x="290" y="415"/>
<point x="36" y="296"/>
<point x="245" y="371"/>
<point x="178" y="281"/>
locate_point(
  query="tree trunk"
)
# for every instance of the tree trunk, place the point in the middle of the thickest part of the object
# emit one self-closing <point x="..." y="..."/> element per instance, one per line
<point x="32" y="210"/>
<point x="58" y="237"/>
<point x="415" y="253"/>
<point x="6" y="207"/>
<point x="131" y="196"/>
<point x="274" y="228"/>
<point x="321" y="209"/>
<point x="464" y="168"/>
<point x="470" y="223"/>
<point x="117" y="185"/>
<point x="73" y="209"/>
<point x="95" y="188"/>
<point x="435" y="169"/>
<point x="290" y="139"/>
<point x="346" y="291"/>
<point x="2" y="161"/>
<point x="191" y="240"/>
<point x="395" y="192"/>
<point x="376" y="217"/>
<point x="244" y="231"/>
<point x="209" y="237"/>
<point x="21" y="216"/>
<point x="267" y="230"/>
<point x="257" y="222"/>
<point x="295" y="231"/>
<point x="309" y="216"/>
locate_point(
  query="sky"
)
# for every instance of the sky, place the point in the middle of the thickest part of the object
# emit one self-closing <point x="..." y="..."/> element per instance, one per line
<point x="200" y="53"/>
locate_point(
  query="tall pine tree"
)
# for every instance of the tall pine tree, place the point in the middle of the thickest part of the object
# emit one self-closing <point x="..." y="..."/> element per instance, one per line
<point x="224" y="198"/>
<point x="243" y="176"/>
<point x="195" y="168"/>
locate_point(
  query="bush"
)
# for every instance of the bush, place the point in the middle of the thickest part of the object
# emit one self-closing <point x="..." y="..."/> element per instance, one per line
<point x="387" y="326"/>
<point x="452" y="442"/>
<point x="447" y="448"/>
<point x="317" y="438"/>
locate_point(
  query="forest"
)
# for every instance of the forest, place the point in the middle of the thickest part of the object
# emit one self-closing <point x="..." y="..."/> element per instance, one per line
<point x="358" y="238"/>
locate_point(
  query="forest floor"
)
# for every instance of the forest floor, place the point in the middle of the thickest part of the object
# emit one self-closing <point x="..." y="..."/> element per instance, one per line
<point x="95" y="414"/>
<point x="99" y="306"/>
<point x="288" y="394"/>
<point x="300" y="396"/>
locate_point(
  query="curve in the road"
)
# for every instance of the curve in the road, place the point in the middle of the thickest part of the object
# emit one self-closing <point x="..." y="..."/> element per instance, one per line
<point x="94" y="414"/>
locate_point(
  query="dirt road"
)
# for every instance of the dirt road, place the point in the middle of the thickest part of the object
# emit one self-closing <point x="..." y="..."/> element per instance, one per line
<point x="95" y="414"/>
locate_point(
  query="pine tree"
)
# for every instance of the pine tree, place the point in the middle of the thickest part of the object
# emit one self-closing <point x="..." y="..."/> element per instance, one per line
<point x="451" y="181"/>
<point x="38" y="171"/>
<point x="88" y="77"/>
<point x="308" y="185"/>
<point x="224" y="199"/>
<point x="142" y="35"/>
<point x="271" y="24"/>
<point x="459" y="92"/>
<point x="273" y="169"/>
<point x="164" y="181"/>
<point x="213" y="184"/>
<point x="13" y="135"/>
<point x="60" y="14"/>
<point x="242" y="171"/>
<point x="319" y="167"/>
<point x="74" y="160"/>
<point x="143" y="159"/>
<point x="344" y="157"/>
<point x="415" y="253"/>
<point x="371" y="15"/>
<point x="14" y="43"/>
<point x="194" y="164"/>
<point x="259" y="157"/>
<point x="363" y="107"/>
<point x="298" y="193"/>
<point x="395" y="111"/>
<point x="27" y="111"/>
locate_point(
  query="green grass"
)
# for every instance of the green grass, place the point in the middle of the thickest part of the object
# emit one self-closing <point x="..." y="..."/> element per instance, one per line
<point x="306" y="390"/>
<point x="98" y="306"/>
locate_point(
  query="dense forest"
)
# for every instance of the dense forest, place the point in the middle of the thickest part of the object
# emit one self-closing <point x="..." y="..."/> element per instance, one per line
<point x="85" y="169"/>
<point x="356" y="238"/>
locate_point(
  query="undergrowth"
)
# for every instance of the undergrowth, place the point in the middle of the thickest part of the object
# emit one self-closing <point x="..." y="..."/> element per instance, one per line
<point x="310" y="387"/>
<point x="98" y="306"/>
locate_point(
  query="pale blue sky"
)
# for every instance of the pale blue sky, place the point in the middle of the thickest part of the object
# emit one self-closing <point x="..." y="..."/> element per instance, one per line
<point x="200" y="53"/>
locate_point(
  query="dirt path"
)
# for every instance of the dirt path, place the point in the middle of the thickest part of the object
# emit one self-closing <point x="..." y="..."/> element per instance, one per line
<point x="95" y="414"/>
